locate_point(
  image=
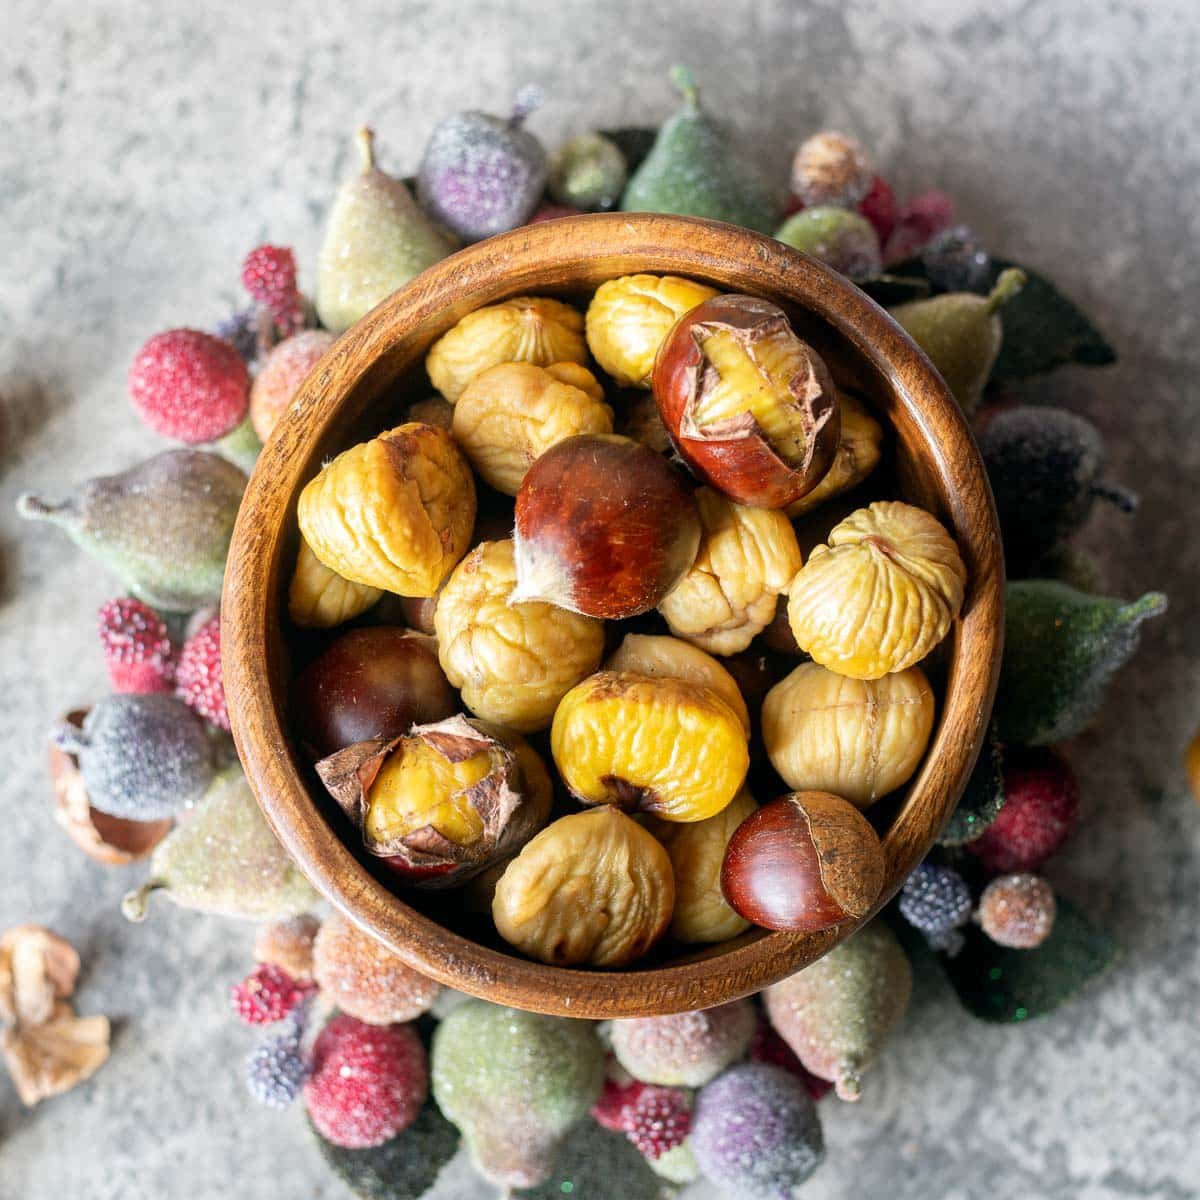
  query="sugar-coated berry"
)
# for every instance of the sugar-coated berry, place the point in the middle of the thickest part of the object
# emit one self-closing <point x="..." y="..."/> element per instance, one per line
<point x="269" y="275"/>
<point x="551" y="212"/>
<point x="830" y="168"/>
<point x="189" y="385"/>
<point x="613" y="1108"/>
<point x="240" y="330"/>
<point x="688" y="1048"/>
<point x="283" y="371"/>
<point x="368" y="1082"/>
<point x="916" y="224"/>
<point x="289" y="944"/>
<point x="880" y="207"/>
<point x="936" y="900"/>
<point x="268" y="994"/>
<point x="198" y="680"/>
<point x="955" y="261"/>
<point x="1018" y="911"/>
<point x="1041" y="808"/>
<point x="658" y="1120"/>
<point x="137" y="647"/>
<point x="276" y="1069"/>
<point x="768" y="1047"/>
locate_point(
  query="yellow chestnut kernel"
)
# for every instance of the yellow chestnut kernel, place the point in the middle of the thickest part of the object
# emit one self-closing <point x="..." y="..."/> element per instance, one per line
<point x="638" y="418"/>
<point x="858" y="453"/>
<point x="857" y="738"/>
<point x="702" y="914"/>
<point x="881" y="594"/>
<point x="513" y="663"/>
<point x="511" y="414"/>
<point x="319" y="598"/>
<point x="629" y="318"/>
<point x="394" y="513"/>
<point x="661" y="657"/>
<point x="532" y="329"/>
<point x="667" y="747"/>
<point x="592" y="888"/>
<point x="747" y="558"/>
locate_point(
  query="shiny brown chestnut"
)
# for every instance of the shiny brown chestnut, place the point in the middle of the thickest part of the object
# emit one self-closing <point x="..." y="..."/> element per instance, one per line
<point x="804" y="862"/>
<point x="750" y="407"/>
<point x="374" y="682"/>
<point x="604" y="527"/>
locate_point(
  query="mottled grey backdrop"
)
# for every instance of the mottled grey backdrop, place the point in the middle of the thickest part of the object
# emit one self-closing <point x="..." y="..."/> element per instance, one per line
<point x="145" y="147"/>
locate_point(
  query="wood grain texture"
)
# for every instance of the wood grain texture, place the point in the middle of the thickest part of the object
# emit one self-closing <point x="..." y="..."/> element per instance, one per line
<point x="938" y="467"/>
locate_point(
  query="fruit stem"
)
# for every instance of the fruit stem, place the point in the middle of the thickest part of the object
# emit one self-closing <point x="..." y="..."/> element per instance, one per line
<point x="1149" y="605"/>
<point x="849" y="1082"/>
<point x="1124" y="499"/>
<point x="136" y="904"/>
<point x="527" y="99"/>
<point x="365" y="138"/>
<point x="685" y="84"/>
<point x="1011" y="281"/>
<point x="33" y="508"/>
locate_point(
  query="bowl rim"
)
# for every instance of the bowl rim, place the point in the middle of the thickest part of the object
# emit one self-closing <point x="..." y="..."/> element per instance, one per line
<point x="483" y="274"/>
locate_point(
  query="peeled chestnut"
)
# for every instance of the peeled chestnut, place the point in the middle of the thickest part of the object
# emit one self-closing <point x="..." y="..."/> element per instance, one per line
<point x="751" y="408"/>
<point x="369" y="683"/>
<point x="804" y="862"/>
<point x="604" y="527"/>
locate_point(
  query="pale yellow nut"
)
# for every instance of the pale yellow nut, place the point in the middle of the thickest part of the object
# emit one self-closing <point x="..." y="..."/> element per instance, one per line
<point x="592" y="888"/>
<point x="697" y="851"/>
<point x="857" y="738"/>
<point x="532" y="329"/>
<point x="881" y="594"/>
<point x="629" y="319"/>
<point x="319" y="598"/>
<point x="747" y="558"/>
<point x="512" y="663"/>
<point x="858" y="453"/>
<point x="667" y="747"/>
<point x="511" y="414"/>
<point x="663" y="657"/>
<point x="394" y="513"/>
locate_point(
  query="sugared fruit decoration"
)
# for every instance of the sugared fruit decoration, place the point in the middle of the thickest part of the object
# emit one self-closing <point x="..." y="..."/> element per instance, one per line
<point x="769" y="1047"/>
<point x="880" y="207"/>
<point x="189" y="385"/>
<point x="841" y="238"/>
<point x="480" y="174"/>
<point x="684" y="1049"/>
<point x="658" y="1120"/>
<point x="514" y="1083"/>
<point x="267" y="995"/>
<point x="240" y="330"/>
<point x="956" y="261"/>
<point x="138" y="650"/>
<point x="277" y="1068"/>
<point x="269" y="275"/>
<point x="756" y="1133"/>
<point x="163" y="526"/>
<point x="837" y="1013"/>
<point x="368" y="1082"/>
<point x="588" y="172"/>
<point x="288" y="944"/>
<point x="982" y="798"/>
<point x="1017" y="911"/>
<point x="198" y="679"/>
<point x="831" y="168"/>
<point x="936" y="900"/>
<point x="917" y="223"/>
<point x="280" y="376"/>
<point x="593" y="1162"/>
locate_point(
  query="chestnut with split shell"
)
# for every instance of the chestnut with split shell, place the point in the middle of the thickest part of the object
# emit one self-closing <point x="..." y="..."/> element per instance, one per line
<point x="751" y="408"/>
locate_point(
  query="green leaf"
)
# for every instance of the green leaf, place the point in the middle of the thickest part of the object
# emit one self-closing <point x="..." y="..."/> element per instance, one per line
<point x="634" y="141"/>
<point x="982" y="798"/>
<point x="595" y="1164"/>
<point x="1010" y="986"/>
<point x="895" y="289"/>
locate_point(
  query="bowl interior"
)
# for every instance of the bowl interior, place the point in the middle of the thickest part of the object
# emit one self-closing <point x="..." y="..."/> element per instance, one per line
<point x="362" y="386"/>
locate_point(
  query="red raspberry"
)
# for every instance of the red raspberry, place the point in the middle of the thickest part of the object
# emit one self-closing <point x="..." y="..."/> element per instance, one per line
<point x="769" y="1047"/>
<point x="916" y="223"/>
<point x="137" y="647"/>
<point x="659" y="1120"/>
<point x="269" y="275"/>
<point x="880" y="208"/>
<point x="616" y="1102"/>
<point x="198" y="681"/>
<point x="551" y="212"/>
<point x="368" y="1082"/>
<point x="267" y="995"/>
<point x="189" y="385"/>
<point x="1041" y="808"/>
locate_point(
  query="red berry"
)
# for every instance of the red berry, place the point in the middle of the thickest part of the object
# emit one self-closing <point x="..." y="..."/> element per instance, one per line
<point x="189" y="385"/>
<point x="137" y="647"/>
<point x="368" y="1082"/>
<point x="793" y="205"/>
<point x="198" y="680"/>
<point x="880" y="208"/>
<point x="916" y="223"/>
<point x="269" y="275"/>
<point x="659" y="1120"/>
<point x="551" y="212"/>
<point x="1041" y="807"/>
<point x="267" y="995"/>
<point x="616" y="1101"/>
<point x="769" y="1047"/>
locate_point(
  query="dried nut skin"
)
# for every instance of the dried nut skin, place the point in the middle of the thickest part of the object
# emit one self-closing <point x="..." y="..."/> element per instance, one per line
<point x="593" y="887"/>
<point x="394" y="513"/>
<point x="805" y="862"/>
<point x="751" y="408"/>
<point x="667" y="747"/>
<point x="881" y="594"/>
<point x="747" y="558"/>
<point x="433" y="410"/>
<point x="319" y="598"/>
<point x="638" y="418"/>
<point x="54" y="1056"/>
<point x="37" y="970"/>
<point x="857" y="738"/>
<point x="697" y="850"/>
<point x="532" y="329"/>
<point x="511" y="414"/>
<point x="629" y="318"/>
<point x="513" y="662"/>
<point x="859" y="450"/>
<point x="663" y="657"/>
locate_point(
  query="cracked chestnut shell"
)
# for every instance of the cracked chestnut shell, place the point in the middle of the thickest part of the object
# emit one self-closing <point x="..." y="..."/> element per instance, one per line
<point x="751" y="408"/>
<point x="604" y="527"/>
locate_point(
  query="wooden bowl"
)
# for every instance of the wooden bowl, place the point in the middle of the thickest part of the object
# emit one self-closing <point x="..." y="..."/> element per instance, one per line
<point x="352" y="394"/>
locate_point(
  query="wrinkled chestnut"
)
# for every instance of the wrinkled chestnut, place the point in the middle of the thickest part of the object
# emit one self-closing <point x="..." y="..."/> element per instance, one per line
<point x="804" y="862"/>
<point x="604" y="527"/>
<point x="751" y="407"/>
<point x="369" y="683"/>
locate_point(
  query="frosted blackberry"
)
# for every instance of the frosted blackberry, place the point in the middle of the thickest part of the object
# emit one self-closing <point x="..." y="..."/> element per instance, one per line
<point x="956" y="261"/>
<point x="937" y="901"/>
<point x="277" y="1068"/>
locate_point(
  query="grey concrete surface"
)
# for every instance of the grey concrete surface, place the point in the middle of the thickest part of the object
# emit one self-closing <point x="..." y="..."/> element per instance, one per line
<point x="146" y="146"/>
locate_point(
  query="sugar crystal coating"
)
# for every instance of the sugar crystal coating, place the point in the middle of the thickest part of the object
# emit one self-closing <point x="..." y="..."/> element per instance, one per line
<point x="687" y="1048"/>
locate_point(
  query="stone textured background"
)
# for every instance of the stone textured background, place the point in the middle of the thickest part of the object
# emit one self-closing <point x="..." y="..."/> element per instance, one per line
<point x="147" y="146"/>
